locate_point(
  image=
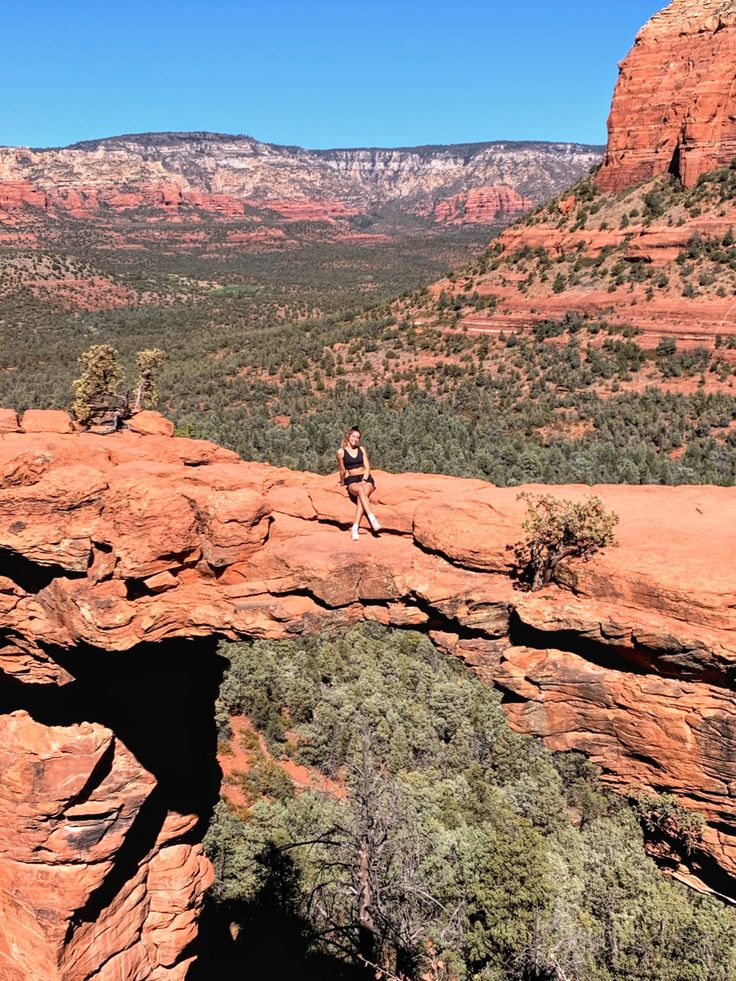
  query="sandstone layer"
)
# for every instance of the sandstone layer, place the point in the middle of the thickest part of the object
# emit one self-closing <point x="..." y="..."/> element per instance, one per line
<point x="640" y="272"/>
<point x="617" y="248"/>
<point x="482" y="206"/>
<point x="125" y="556"/>
<point x="673" y="108"/>
<point x="221" y="178"/>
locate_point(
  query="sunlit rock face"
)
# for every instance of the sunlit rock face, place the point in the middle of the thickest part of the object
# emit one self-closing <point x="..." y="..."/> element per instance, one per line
<point x="125" y="556"/>
<point x="107" y="784"/>
<point x="481" y="206"/>
<point x="674" y="106"/>
<point x="215" y="176"/>
<point x="673" y="113"/>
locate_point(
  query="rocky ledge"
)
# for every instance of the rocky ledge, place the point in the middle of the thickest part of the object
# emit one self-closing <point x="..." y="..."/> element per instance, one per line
<point x="125" y="556"/>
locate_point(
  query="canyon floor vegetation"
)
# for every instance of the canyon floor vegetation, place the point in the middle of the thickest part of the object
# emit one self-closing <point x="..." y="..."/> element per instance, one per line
<point x="433" y="842"/>
<point x="556" y="406"/>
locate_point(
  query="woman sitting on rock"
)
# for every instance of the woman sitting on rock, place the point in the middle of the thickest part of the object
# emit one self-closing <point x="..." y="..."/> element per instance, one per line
<point x="355" y="474"/>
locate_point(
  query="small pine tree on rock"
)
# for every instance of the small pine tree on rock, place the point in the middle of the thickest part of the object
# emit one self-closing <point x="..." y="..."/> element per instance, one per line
<point x="99" y="399"/>
<point x="99" y="382"/>
<point x="149" y="362"/>
<point x="556" y="529"/>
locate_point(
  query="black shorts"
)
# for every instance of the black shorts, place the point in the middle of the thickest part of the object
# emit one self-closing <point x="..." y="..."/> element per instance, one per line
<point x="357" y="479"/>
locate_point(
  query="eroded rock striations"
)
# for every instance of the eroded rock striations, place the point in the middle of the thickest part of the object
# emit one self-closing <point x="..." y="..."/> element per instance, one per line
<point x="674" y="106"/>
<point x="216" y="176"/>
<point x="619" y="248"/>
<point x="482" y="206"/>
<point x="124" y="556"/>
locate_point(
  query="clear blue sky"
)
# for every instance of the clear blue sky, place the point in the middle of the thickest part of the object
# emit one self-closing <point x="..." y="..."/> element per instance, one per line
<point x="317" y="73"/>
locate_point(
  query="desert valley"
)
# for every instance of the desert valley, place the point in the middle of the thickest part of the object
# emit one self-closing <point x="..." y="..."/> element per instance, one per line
<point x="244" y="735"/>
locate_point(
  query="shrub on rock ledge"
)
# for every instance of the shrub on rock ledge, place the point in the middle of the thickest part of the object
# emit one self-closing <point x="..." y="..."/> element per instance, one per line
<point x="98" y="383"/>
<point x="556" y="529"/>
<point x="98" y="400"/>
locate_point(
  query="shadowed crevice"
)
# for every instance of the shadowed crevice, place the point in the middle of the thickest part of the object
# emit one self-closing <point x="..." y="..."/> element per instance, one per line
<point x="675" y="663"/>
<point x="32" y="577"/>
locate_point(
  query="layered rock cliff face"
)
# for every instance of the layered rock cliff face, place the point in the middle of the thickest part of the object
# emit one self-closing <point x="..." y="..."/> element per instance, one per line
<point x="224" y="175"/>
<point x="482" y="206"/>
<point x="625" y="247"/>
<point x="125" y="555"/>
<point x="674" y="106"/>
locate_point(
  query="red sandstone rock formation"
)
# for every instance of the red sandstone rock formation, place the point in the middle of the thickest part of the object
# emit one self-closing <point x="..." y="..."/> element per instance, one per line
<point x="482" y="206"/>
<point x="138" y="189"/>
<point x="20" y="194"/>
<point x="673" y="109"/>
<point x="125" y="555"/>
<point x="673" y="112"/>
<point x="85" y="202"/>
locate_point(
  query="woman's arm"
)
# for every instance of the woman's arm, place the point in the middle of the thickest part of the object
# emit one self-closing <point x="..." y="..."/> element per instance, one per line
<point x="366" y="463"/>
<point x="341" y="465"/>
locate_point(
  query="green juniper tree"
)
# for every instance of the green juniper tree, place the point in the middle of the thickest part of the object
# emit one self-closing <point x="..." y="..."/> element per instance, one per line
<point x="98" y="392"/>
<point x="149" y="362"/>
<point x="99" y="382"/>
<point x="558" y="528"/>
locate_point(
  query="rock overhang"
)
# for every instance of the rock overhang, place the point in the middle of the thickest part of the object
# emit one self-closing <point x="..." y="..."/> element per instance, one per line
<point x="118" y="546"/>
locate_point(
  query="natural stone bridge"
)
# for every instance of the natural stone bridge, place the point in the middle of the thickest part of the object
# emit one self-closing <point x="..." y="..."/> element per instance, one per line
<point x="125" y="556"/>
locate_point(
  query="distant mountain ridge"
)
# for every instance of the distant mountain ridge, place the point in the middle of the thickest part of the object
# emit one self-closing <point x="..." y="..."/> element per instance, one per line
<point x="417" y="178"/>
<point x="169" y="137"/>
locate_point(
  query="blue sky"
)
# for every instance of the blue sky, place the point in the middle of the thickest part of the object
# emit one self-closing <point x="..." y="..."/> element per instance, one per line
<point x="319" y="73"/>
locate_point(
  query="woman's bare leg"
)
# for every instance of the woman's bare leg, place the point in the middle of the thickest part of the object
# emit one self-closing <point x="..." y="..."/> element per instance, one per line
<point x="358" y="495"/>
<point x="372" y="520"/>
<point x="363" y="507"/>
<point x="358" y="509"/>
<point x="363" y="498"/>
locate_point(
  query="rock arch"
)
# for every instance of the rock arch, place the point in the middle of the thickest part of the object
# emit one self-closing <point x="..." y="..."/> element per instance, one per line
<point x="123" y="557"/>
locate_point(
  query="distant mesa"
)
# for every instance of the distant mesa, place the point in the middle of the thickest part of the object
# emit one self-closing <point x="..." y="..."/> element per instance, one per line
<point x="211" y="177"/>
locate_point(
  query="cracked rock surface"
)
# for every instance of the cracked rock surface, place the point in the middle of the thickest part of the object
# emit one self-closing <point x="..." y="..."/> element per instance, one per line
<point x="123" y="558"/>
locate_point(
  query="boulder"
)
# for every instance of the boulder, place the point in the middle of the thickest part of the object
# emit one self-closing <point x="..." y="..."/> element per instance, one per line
<point x="149" y="423"/>
<point x="46" y="421"/>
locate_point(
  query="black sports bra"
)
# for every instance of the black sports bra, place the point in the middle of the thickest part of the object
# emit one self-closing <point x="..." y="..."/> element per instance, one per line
<point x="352" y="462"/>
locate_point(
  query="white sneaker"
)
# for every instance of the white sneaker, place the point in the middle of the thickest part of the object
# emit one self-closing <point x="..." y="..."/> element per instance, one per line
<point x="375" y="525"/>
<point x="354" y="532"/>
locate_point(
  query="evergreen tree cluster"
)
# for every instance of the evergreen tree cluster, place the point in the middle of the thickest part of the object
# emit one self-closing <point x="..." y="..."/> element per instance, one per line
<point x="458" y="850"/>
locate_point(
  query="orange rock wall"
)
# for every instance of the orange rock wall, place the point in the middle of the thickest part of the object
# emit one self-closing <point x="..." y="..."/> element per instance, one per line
<point x="124" y="556"/>
<point x="674" y="105"/>
<point x="482" y="206"/>
<point x="85" y="202"/>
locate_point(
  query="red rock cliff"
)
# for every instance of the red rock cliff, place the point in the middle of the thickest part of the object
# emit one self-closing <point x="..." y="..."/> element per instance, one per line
<point x="124" y="556"/>
<point x="674" y="109"/>
<point x="482" y="206"/>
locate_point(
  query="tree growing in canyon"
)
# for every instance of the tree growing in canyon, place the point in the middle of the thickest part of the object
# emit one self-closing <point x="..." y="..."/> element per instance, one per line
<point x="98" y="398"/>
<point x="442" y="845"/>
<point x="556" y="529"/>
